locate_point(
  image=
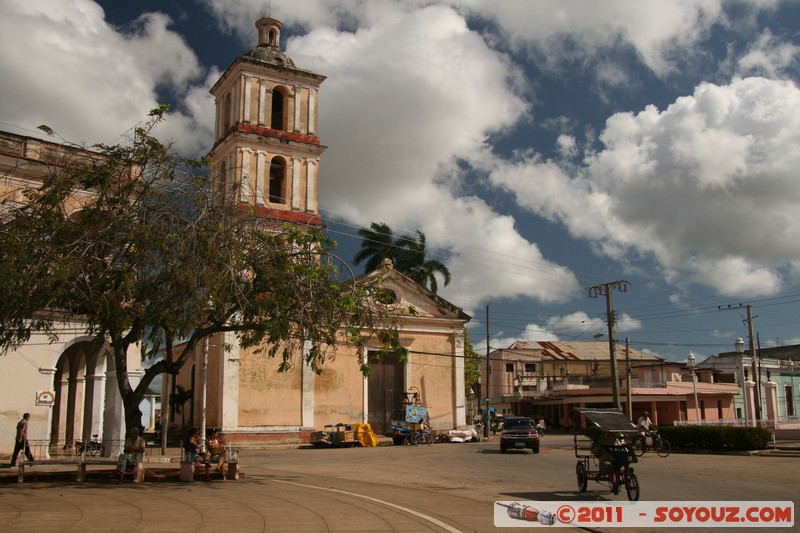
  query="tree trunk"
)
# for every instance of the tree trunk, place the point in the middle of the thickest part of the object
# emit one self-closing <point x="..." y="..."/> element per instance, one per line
<point x="133" y="415"/>
<point x="130" y="399"/>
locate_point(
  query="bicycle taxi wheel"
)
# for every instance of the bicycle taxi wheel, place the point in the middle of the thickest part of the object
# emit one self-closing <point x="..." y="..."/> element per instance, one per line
<point x="583" y="476"/>
<point x="632" y="487"/>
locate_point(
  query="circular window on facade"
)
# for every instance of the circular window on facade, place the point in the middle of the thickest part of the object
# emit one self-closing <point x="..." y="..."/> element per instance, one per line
<point x="387" y="296"/>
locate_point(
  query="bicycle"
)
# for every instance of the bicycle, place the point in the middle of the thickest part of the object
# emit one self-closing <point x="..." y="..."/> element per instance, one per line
<point x="422" y="437"/>
<point x="661" y="446"/>
<point x="93" y="447"/>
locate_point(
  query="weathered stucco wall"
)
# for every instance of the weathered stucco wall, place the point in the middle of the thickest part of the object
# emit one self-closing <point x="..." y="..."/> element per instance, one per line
<point x="339" y="391"/>
<point x="268" y="397"/>
<point x="432" y="375"/>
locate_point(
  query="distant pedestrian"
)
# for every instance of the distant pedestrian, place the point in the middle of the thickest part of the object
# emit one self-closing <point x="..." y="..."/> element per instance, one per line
<point x="22" y="440"/>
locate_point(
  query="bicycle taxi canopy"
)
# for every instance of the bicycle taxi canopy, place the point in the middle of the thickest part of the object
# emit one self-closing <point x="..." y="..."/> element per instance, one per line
<point x="606" y="420"/>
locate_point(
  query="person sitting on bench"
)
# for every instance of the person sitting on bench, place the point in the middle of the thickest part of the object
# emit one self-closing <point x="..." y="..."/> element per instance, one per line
<point x="215" y="446"/>
<point x="192" y="447"/>
<point x="133" y="452"/>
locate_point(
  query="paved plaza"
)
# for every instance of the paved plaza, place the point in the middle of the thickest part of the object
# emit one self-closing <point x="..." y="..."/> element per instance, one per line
<point x="442" y="488"/>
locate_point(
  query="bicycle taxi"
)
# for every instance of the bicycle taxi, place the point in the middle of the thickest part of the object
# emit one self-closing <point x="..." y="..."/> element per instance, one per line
<point x="605" y="453"/>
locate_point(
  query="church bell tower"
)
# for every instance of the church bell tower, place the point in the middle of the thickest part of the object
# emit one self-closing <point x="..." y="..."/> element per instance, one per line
<point x="266" y="149"/>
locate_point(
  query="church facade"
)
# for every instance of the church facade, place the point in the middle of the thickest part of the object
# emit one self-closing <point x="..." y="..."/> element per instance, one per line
<point x="267" y="158"/>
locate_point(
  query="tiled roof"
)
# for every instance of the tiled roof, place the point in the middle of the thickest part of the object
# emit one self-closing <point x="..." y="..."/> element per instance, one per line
<point x="579" y="351"/>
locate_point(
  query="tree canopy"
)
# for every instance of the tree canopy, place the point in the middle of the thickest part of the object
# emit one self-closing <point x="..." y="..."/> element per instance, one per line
<point x="408" y="254"/>
<point x="129" y="244"/>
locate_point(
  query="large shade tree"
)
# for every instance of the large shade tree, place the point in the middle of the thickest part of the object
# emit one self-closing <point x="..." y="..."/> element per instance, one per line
<point x="408" y="254"/>
<point x="127" y="244"/>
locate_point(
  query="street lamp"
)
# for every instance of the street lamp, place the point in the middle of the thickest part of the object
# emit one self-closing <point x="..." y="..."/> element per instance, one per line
<point x="791" y="376"/>
<point x="694" y="387"/>
<point x="739" y="343"/>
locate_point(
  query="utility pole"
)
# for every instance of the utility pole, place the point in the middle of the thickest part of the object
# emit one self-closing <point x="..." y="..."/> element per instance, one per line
<point x="756" y="367"/>
<point x="606" y="289"/>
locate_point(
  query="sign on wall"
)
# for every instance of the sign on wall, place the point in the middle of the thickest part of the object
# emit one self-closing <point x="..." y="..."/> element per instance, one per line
<point x="45" y="397"/>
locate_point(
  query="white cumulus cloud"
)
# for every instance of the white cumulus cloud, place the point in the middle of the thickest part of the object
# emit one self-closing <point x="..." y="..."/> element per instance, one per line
<point x="69" y="69"/>
<point x="707" y="186"/>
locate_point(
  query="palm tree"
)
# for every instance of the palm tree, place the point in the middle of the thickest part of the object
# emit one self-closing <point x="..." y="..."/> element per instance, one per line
<point x="177" y="400"/>
<point x="406" y="252"/>
<point x="377" y="244"/>
<point x="412" y="261"/>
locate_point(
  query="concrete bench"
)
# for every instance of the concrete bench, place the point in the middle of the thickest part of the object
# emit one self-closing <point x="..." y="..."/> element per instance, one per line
<point x="80" y="463"/>
<point x="28" y="464"/>
<point x="80" y="476"/>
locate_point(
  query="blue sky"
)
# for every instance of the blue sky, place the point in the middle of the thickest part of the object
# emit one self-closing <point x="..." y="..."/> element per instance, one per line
<point x="542" y="147"/>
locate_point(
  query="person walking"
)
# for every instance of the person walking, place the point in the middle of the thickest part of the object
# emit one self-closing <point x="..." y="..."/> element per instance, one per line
<point x="22" y="440"/>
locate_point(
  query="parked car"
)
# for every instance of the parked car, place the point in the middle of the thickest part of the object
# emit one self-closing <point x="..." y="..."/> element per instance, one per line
<point x="519" y="432"/>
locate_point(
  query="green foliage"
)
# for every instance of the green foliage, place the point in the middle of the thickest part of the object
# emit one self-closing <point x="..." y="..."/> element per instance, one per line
<point x="377" y="244"/>
<point x="720" y="438"/>
<point x="178" y="399"/>
<point x="412" y="260"/>
<point x="148" y="256"/>
<point x="472" y="365"/>
<point x="408" y="254"/>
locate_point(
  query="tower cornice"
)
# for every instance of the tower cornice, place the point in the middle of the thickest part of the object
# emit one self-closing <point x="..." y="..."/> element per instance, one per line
<point x="271" y="71"/>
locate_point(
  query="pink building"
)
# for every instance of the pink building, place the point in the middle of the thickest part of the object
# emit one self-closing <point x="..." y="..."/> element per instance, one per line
<point x="549" y="379"/>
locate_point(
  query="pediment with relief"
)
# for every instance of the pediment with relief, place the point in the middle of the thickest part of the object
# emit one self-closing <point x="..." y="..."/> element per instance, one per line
<point x="407" y="297"/>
